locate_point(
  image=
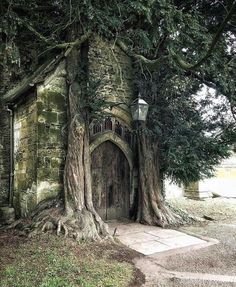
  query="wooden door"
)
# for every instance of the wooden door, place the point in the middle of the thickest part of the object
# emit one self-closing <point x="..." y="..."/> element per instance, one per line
<point x="110" y="181"/>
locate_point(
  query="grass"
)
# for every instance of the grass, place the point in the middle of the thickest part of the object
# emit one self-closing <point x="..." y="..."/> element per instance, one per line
<point x="217" y="208"/>
<point x="50" y="261"/>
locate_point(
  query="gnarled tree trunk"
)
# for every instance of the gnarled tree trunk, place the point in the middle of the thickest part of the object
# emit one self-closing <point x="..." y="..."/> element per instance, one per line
<point x="74" y="216"/>
<point x="80" y="214"/>
<point x="152" y="209"/>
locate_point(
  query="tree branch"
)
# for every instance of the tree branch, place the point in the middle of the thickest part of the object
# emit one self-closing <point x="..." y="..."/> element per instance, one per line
<point x="213" y="85"/>
<point x="69" y="45"/>
<point x="208" y="83"/>
<point x="62" y="46"/>
<point x="138" y="57"/>
<point x="30" y="28"/>
<point x="187" y="66"/>
<point x="31" y="80"/>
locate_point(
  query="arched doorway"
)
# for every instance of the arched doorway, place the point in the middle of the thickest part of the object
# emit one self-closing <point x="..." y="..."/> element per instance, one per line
<point x="110" y="181"/>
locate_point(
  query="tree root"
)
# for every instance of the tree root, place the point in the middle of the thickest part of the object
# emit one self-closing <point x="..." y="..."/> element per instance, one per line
<point x="79" y="226"/>
<point x="50" y="217"/>
<point x="183" y="217"/>
<point x="165" y="215"/>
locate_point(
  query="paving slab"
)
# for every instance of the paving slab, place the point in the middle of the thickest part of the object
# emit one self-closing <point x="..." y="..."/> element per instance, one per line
<point x="151" y="240"/>
<point x="150" y="247"/>
<point x="138" y="237"/>
<point x="165" y="233"/>
<point x="181" y="241"/>
<point x="230" y="225"/>
<point x="122" y="229"/>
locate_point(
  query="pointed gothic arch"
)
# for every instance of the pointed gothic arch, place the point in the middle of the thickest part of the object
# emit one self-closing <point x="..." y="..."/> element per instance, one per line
<point x="111" y="136"/>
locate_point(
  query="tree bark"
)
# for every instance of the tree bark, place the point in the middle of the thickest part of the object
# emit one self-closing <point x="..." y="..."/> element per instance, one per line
<point x="152" y="209"/>
<point x="77" y="174"/>
<point x="77" y="218"/>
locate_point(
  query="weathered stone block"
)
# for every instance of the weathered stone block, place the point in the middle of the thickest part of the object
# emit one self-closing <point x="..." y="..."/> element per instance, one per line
<point x="55" y="162"/>
<point x="56" y="100"/>
<point x="47" y="190"/>
<point x="48" y="117"/>
<point x="7" y="215"/>
<point x="62" y="118"/>
<point x="4" y="157"/>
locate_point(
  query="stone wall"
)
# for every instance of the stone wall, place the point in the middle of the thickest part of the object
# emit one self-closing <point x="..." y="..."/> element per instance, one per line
<point x="223" y="183"/>
<point x="40" y="143"/>
<point x="40" y="124"/>
<point x="25" y="156"/>
<point x="52" y="133"/>
<point x="4" y="157"/>
<point x="113" y="68"/>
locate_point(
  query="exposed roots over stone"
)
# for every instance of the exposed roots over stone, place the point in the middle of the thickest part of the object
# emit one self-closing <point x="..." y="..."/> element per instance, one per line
<point x="165" y="215"/>
<point x="152" y="209"/>
<point x="181" y="216"/>
<point x="49" y="216"/>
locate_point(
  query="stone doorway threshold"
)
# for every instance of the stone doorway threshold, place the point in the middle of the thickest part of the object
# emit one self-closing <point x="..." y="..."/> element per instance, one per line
<point x="156" y="241"/>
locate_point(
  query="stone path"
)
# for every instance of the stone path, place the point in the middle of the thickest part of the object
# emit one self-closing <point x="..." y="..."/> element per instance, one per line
<point x="156" y="273"/>
<point x="150" y="240"/>
<point x="156" y="244"/>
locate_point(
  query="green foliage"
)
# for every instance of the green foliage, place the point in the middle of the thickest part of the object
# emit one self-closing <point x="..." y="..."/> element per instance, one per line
<point x="178" y="32"/>
<point x="193" y="134"/>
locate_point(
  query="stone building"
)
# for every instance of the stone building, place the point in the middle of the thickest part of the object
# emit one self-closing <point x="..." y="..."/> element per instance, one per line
<point x="34" y="135"/>
<point x="222" y="183"/>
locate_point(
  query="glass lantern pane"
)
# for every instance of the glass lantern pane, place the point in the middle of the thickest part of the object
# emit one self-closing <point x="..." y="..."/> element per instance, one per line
<point x="139" y="109"/>
<point x="135" y="112"/>
<point x="143" y="109"/>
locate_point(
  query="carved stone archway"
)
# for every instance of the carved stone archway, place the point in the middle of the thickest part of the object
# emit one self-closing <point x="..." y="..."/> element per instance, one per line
<point x="111" y="136"/>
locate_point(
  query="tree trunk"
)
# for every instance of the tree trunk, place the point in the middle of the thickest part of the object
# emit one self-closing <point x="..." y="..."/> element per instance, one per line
<point x="152" y="209"/>
<point x="75" y="216"/>
<point x="79" y="208"/>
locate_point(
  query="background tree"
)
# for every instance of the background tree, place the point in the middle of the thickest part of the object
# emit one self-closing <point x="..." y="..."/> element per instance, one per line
<point x="176" y="47"/>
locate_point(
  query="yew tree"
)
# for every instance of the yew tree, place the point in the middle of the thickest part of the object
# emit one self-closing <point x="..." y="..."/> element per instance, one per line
<point x="177" y="48"/>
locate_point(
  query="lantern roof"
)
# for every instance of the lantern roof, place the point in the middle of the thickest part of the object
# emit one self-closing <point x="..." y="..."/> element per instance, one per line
<point x="139" y="101"/>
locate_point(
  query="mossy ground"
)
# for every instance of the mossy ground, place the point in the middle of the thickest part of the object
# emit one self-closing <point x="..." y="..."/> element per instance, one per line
<point x="51" y="261"/>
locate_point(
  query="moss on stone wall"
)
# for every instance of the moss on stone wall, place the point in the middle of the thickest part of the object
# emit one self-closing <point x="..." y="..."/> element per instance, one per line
<point x="4" y="157"/>
<point x="41" y="124"/>
<point x="51" y="100"/>
<point x="25" y="152"/>
<point x="113" y="68"/>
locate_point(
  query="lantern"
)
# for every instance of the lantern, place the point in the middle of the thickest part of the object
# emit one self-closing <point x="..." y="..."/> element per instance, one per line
<point x="139" y="109"/>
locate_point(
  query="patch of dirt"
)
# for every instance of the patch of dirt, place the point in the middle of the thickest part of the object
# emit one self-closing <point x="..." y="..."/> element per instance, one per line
<point x="117" y="252"/>
<point x="122" y="254"/>
<point x="10" y="239"/>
